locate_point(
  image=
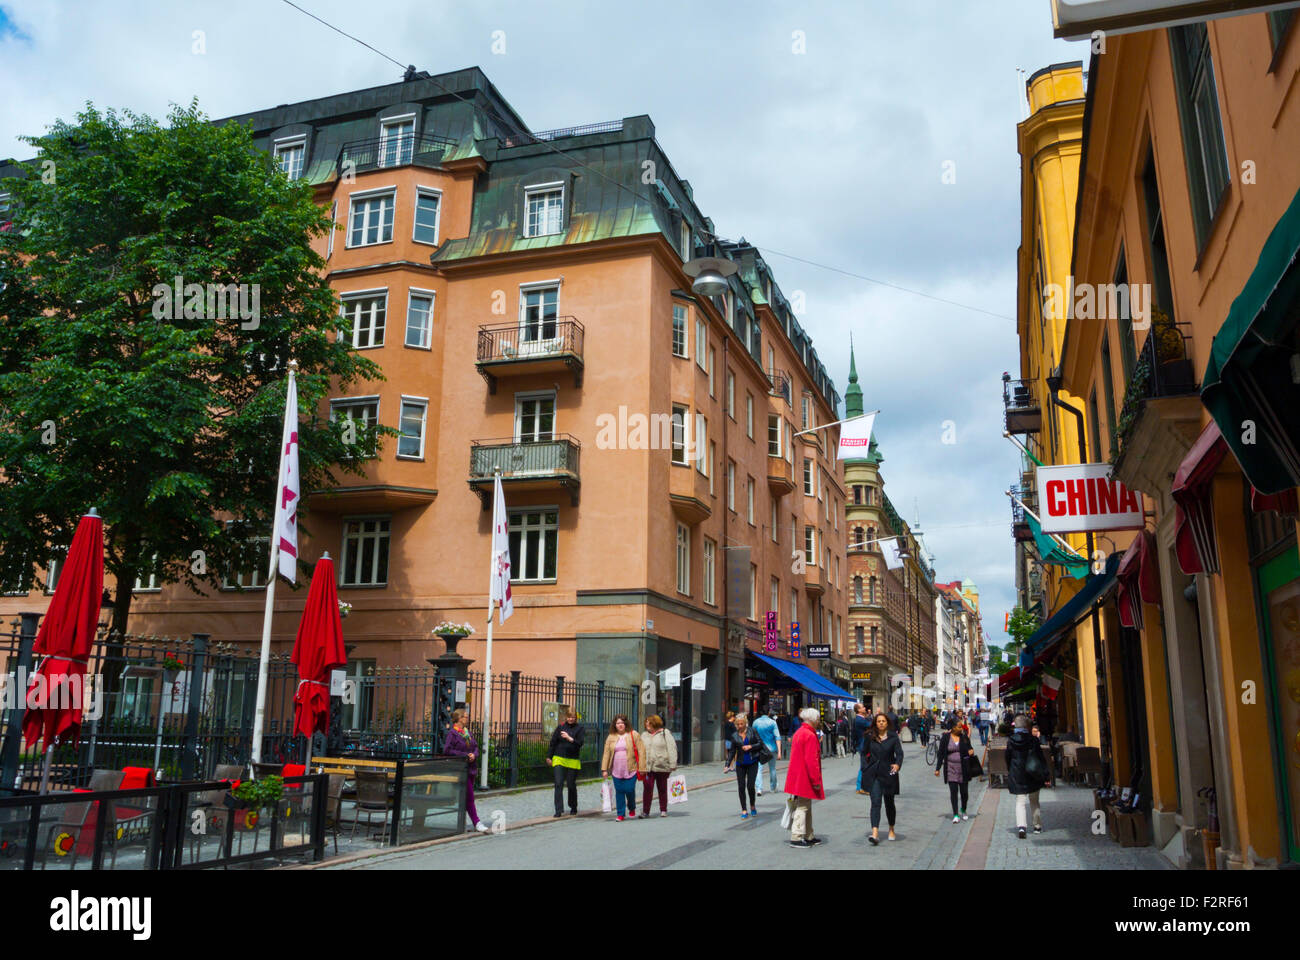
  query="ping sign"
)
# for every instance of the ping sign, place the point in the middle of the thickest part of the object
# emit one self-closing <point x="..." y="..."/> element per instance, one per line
<point x="1080" y="497"/>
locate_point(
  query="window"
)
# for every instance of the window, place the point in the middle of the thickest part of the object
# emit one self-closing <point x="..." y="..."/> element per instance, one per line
<point x="810" y="546"/>
<point x="749" y="492"/>
<point x="685" y="237"/>
<point x="1108" y="384"/>
<point x="871" y="584"/>
<point x="701" y="344"/>
<point x="679" y="331"/>
<point x="683" y="559"/>
<point x="371" y="219"/>
<point x="857" y="589"/>
<point x="713" y="355"/>
<point x="710" y="569"/>
<point x="419" y="317"/>
<point x="731" y="395"/>
<point x="807" y="411"/>
<point x="545" y="210"/>
<point x="773" y="521"/>
<point x="365" y="412"/>
<point x="1198" y="106"/>
<point x="789" y="443"/>
<point x="52" y="570"/>
<point x="538" y="309"/>
<point x="701" y="444"/>
<point x="534" y="418"/>
<point x="857" y="494"/>
<point x="875" y="639"/>
<point x="1124" y="322"/>
<point x="1094" y="420"/>
<point x="731" y="485"/>
<point x="870" y="497"/>
<point x="1161" y="294"/>
<point x="366" y="313"/>
<point x="427" y="202"/>
<point x="753" y="591"/>
<point x="334" y="219"/>
<point x="365" y="552"/>
<point x="289" y="156"/>
<point x="773" y="435"/>
<point x="809" y="490"/>
<point x="859" y="640"/>
<point x="396" y="141"/>
<point x="774" y="598"/>
<point x="253" y="576"/>
<point x="713" y="458"/>
<point x="794" y="605"/>
<point x="411" y="443"/>
<point x="749" y="415"/>
<point x="680" y="416"/>
<point x="533" y="541"/>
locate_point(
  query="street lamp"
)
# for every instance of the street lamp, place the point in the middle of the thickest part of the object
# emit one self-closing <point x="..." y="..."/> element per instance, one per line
<point x="710" y="275"/>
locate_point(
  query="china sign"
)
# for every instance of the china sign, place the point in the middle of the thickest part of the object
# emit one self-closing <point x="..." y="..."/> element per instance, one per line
<point x="1080" y="19"/>
<point x="1081" y="497"/>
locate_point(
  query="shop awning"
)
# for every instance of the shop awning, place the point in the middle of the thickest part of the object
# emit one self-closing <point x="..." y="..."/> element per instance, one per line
<point x="1049" y="551"/>
<point x="1074" y="609"/>
<point x="1007" y="681"/>
<point x="1137" y="580"/>
<point x="1248" y="376"/>
<point x="1194" y="517"/>
<point x="812" y="682"/>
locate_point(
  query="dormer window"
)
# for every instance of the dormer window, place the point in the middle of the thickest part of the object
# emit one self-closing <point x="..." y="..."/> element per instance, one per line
<point x="396" y="141"/>
<point x="544" y="210"/>
<point x="289" y="156"/>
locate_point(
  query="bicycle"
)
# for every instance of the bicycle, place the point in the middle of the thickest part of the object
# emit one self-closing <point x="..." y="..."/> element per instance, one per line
<point x="932" y="752"/>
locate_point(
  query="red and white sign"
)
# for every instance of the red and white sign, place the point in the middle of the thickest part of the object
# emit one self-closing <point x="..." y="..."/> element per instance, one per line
<point x="1081" y="497"/>
<point x="1078" y="19"/>
<point x="286" y="504"/>
<point x="855" y="436"/>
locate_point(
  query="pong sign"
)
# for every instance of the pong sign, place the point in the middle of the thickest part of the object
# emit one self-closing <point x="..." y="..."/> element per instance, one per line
<point x="1081" y="497"/>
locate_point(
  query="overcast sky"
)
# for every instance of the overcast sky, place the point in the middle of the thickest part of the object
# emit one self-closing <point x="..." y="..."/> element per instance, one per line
<point x="835" y="155"/>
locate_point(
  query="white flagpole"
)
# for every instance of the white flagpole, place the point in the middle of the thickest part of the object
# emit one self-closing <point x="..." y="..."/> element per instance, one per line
<point x="1059" y="541"/>
<point x="487" y="673"/>
<point x="835" y="423"/>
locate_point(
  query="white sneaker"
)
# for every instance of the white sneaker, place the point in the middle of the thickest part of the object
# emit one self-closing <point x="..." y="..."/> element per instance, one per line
<point x="956" y="819"/>
<point x="482" y="827"/>
<point x="759" y="793"/>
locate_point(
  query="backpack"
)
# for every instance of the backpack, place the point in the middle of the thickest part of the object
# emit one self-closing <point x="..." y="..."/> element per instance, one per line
<point x="1035" y="767"/>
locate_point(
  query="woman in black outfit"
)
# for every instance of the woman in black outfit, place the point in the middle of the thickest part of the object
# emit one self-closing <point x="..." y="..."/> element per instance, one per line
<point x="563" y="756"/>
<point x="882" y="756"/>
<point x="954" y="748"/>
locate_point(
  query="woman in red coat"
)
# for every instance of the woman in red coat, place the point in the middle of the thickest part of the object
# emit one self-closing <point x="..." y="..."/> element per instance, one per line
<point x="803" y="779"/>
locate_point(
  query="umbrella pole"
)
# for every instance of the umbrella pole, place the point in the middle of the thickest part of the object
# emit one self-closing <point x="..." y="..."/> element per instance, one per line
<point x="157" y="747"/>
<point x="45" y="768"/>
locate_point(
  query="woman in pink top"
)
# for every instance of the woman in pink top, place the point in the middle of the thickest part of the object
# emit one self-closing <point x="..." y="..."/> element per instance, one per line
<point x="624" y="759"/>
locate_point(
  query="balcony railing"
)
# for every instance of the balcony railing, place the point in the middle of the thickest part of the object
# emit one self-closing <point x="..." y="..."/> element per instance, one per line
<point x="424" y="150"/>
<point x="551" y="462"/>
<point x="780" y="385"/>
<point x="530" y="348"/>
<point x="524" y="139"/>
<point x="1164" y="369"/>
<point x="1023" y="412"/>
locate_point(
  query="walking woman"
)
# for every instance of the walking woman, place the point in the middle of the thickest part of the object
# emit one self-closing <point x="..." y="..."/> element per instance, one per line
<point x="460" y="743"/>
<point x="1027" y="773"/>
<point x="803" y="781"/>
<point x="728" y="731"/>
<point x="660" y="761"/>
<point x="882" y="756"/>
<point x="749" y="751"/>
<point x="563" y="756"/>
<point x="954" y="748"/>
<point x="624" y="760"/>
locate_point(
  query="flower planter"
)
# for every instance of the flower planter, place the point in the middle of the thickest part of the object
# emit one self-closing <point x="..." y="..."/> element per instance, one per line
<point x="1175" y="377"/>
<point x="451" y="639"/>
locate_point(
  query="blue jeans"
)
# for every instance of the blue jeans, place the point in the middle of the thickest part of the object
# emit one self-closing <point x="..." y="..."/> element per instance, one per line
<point x="770" y="770"/>
<point x="625" y="794"/>
<point x="984" y="734"/>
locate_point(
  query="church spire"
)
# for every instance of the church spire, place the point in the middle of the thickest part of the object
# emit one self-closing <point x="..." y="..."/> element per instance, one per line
<point x="853" y="395"/>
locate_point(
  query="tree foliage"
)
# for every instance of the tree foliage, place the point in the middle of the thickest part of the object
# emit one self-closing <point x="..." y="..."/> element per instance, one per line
<point x="163" y="414"/>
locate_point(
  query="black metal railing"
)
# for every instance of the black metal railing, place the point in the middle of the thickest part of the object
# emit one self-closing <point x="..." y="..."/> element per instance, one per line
<point x="557" y="455"/>
<point x="524" y="139"/>
<point x="1021" y="407"/>
<point x="780" y="385"/>
<point x="1164" y="369"/>
<point x="543" y="339"/>
<point x="423" y="150"/>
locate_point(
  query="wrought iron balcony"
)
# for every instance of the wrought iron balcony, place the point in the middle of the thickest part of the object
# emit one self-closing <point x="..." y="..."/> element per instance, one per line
<point x="506" y="349"/>
<point x="780" y="385"/>
<point x="381" y="153"/>
<point x="549" y="464"/>
<point x="1024" y="414"/>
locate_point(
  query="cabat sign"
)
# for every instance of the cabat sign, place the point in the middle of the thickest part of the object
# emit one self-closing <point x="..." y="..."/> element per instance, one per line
<point x="1081" y="497"/>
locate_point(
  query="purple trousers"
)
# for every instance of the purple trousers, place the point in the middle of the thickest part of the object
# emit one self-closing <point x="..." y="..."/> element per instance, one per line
<point x="469" y="799"/>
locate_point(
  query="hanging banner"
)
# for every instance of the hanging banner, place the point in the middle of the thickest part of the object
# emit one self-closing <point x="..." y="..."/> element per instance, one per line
<point x="855" y="436"/>
<point x="1079" y="497"/>
<point x="697" y="680"/>
<point x="893" y="551"/>
<point x="672" y="677"/>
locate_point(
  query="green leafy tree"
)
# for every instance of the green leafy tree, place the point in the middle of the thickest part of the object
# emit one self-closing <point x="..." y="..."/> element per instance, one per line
<point x="163" y="413"/>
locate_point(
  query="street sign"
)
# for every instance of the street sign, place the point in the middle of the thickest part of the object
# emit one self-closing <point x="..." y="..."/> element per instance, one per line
<point x="794" y="639"/>
<point x="773" y="635"/>
<point x="1081" y="497"/>
<point x="818" y="651"/>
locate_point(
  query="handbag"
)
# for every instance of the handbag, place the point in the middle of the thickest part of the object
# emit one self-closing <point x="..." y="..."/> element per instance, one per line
<point x="787" y="813"/>
<point x="606" y="796"/>
<point x="677" y="788"/>
<point x="636" y="755"/>
<point x="973" y="768"/>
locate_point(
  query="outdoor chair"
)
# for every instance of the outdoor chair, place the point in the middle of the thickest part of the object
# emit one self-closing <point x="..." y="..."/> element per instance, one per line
<point x="372" y="798"/>
<point x="74" y="831"/>
<point x="212" y="803"/>
<point x="1068" y="755"/>
<point x="997" y="768"/>
<point x="1088" y="764"/>
<point x="261" y="770"/>
<point x="333" y="806"/>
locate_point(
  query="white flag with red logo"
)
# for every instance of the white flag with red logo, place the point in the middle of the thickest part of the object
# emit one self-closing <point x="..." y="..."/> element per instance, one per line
<point x="500" y="588"/>
<point x="288" y="489"/>
<point x="893" y="551"/>
<point x="855" y="437"/>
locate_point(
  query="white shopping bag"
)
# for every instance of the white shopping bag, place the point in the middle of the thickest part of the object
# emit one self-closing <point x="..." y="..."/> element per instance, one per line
<point x="677" y="788"/>
<point x="787" y="813"/>
<point x="606" y="796"/>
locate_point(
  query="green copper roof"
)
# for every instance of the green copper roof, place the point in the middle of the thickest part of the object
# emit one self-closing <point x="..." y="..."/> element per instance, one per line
<point x="853" y="395"/>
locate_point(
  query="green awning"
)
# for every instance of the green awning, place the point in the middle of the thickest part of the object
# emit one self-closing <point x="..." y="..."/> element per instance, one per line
<point x="1049" y="551"/>
<point x="1248" y="377"/>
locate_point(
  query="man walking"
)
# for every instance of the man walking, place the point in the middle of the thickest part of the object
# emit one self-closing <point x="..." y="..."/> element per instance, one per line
<point x="768" y="731"/>
<point x="803" y="780"/>
<point x="861" y="724"/>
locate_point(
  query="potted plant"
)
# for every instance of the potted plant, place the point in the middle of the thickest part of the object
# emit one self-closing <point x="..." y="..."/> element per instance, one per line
<point x="253" y="796"/>
<point x="344" y="609"/>
<point x="452" y="633"/>
<point x="171" y="668"/>
<point x="1174" y="374"/>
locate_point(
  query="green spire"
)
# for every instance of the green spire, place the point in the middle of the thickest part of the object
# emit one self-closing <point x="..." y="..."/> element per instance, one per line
<point x="853" y="395"/>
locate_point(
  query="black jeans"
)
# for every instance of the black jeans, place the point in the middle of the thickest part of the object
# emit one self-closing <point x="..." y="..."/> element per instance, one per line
<point x="877" y="795"/>
<point x="954" y="789"/>
<point x="565" y="776"/>
<point x="746" y="777"/>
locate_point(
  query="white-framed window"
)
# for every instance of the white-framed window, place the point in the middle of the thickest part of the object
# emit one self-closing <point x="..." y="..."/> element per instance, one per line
<point x="428" y="202"/>
<point x="731" y="395"/>
<point x="535" y="417"/>
<point x="794" y="605"/>
<point x="774" y="598"/>
<point x="713" y="355"/>
<point x="681" y="417"/>
<point x="749" y="415"/>
<point x="683" y="559"/>
<point x="410" y="445"/>
<point x="363" y="410"/>
<point x="365" y="552"/>
<point x="289" y="154"/>
<point x="396" y="140"/>
<point x="534" y="543"/>
<point x="749" y="497"/>
<point x="419" y="317"/>
<point x="731" y="485"/>
<point x="679" y="331"/>
<point x="710" y="571"/>
<point x="701" y="344"/>
<point x="774" y="523"/>
<point x="370" y="219"/>
<point x="810" y="545"/>
<point x="148" y="582"/>
<point x="713" y="458"/>
<point x="774" y="435"/>
<point x="253" y="577"/>
<point x="753" y="591"/>
<point x="544" y="209"/>
<point x="367" y="311"/>
<point x="701" y="445"/>
<point x="539" y="307"/>
<point x="685" y="240"/>
<point x="806" y="408"/>
<point x="809" y="489"/>
<point x="789" y="443"/>
<point x="334" y="220"/>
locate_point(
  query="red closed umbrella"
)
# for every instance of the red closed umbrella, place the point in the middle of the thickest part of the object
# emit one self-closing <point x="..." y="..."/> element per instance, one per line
<point x="317" y="650"/>
<point x="54" y="695"/>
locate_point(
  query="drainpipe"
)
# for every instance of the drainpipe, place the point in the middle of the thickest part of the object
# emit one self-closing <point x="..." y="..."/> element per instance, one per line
<point x="726" y="538"/>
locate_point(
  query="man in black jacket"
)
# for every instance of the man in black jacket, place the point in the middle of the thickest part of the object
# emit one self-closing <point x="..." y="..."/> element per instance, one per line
<point x="563" y="756"/>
